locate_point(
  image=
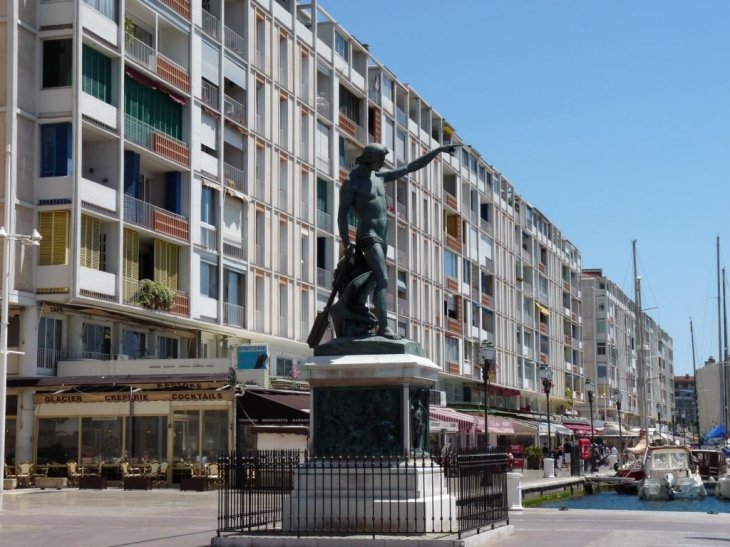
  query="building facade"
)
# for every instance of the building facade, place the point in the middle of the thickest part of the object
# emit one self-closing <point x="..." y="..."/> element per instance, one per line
<point x="685" y="402"/>
<point x="182" y="163"/>
<point x="611" y="353"/>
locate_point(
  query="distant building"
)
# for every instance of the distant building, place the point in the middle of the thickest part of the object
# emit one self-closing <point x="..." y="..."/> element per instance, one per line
<point x="709" y="395"/>
<point x="685" y="401"/>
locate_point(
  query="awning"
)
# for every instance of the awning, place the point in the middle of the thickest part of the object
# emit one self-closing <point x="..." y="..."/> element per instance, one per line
<point x="542" y="309"/>
<point x="580" y="428"/>
<point x="159" y="381"/>
<point x="497" y="424"/>
<point x="523" y="427"/>
<point x="554" y="429"/>
<point x="465" y="421"/>
<point x="273" y="408"/>
<point x="503" y="391"/>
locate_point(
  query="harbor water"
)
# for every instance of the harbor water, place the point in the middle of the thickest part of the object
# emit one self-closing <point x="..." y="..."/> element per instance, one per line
<point x="623" y="502"/>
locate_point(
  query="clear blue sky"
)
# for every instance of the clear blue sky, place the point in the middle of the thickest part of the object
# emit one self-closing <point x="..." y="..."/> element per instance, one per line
<point x="612" y="117"/>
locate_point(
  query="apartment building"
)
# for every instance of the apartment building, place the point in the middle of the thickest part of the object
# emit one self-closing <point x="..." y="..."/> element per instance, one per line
<point x="611" y="353"/>
<point x="182" y="162"/>
<point x="685" y="403"/>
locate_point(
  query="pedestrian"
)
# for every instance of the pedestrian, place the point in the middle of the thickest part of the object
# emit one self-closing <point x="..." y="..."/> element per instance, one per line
<point x="558" y="457"/>
<point x="567" y="448"/>
<point x="545" y="454"/>
<point x="614" y="451"/>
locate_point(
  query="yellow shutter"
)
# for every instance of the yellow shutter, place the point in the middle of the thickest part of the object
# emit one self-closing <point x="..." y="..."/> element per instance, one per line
<point x="167" y="263"/>
<point x="160" y="257"/>
<point x="173" y="267"/>
<point x="90" y="242"/>
<point x="53" y="226"/>
<point x="130" y="265"/>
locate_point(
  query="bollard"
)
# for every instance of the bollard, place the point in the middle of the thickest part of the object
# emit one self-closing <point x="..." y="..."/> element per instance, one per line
<point x="514" y="491"/>
<point x="549" y="466"/>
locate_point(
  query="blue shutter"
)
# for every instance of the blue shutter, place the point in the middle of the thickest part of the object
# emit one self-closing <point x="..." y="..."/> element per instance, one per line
<point x="172" y="191"/>
<point x="64" y="146"/>
<point x="131" y="174"/>
<point x="48" y="147"/>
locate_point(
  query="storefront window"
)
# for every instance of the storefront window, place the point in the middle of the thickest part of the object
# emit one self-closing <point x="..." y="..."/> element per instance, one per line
<point x="186" y="439"/>
<point x="58" y="440"/>
<point x="102" y="440"/>
<point x="10" y="441"/>
<point x="215" y="434"/>
<point x="150" y="438"/>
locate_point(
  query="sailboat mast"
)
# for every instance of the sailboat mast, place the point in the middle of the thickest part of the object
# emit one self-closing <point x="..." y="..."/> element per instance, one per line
<point x="640" y="347"/>
<point x="726" y="415"/>
<point x="694" y="371"/>
<point x="723" y="394"/>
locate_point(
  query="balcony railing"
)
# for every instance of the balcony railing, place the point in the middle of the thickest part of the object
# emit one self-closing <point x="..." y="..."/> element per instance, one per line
<point x="304" y="274"/>
<point x="323" y="163"/>
<point x="48" y="358"/>
<point x="283" y="326"/>
<point x="208" y="237"/>
<point x="107" y="9"/>
<point x="374" y="94"/>
<point x="284" y="138"/>
<point x="209" y="94"/>
<point x="235" y="111"/>
<point x="130" y="292"/>
<point x="233" y="315"/>
<point x="324" y="107"/>
<point x="140" y="52"/>
<point x="304" y="91"/>
<point x="235" y="178"/>
<point x="180" y="6"/>
<point x="259" y="60"/>
<point x="304" y="151"/>
<point x="155" y="218"/>
<point x="400" y="117"/>
<point x="155" y="62"/>
<point x="152" y="139"/>
<point x="211" y="25"/>
<point x="284" y="77"/>
<point x="260" y="126"/>
<point x="304" y="212"/>
<point x="260" y="189"/>
<point x="284" y="263"/>
<point x="324" y="278"/>
<point x="324" y="220"/>
<point x="260" y="321"/>
<point x="260" y="255"/>
<point x="235" y="248"/>
<point x="235" y="42"/>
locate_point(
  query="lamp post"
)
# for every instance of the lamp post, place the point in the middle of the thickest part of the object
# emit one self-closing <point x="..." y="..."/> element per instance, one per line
<point x="487" y="352"/>
<point x="33" y="240"/>
<point x="590" y="390"/>
<point x="546" y="375"/>
<point x="617" y="396"/>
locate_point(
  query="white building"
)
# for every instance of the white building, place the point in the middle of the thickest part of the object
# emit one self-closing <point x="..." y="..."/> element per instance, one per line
<point x="202" y="147"/>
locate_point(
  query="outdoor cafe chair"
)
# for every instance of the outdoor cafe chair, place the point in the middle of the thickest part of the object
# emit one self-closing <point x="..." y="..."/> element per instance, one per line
<point x="25" y="474"/>
<point x="72" y="473"/>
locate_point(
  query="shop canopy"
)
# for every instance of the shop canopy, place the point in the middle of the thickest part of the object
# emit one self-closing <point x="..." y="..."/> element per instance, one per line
<point x="465" y="422"/>
<point x="267" y="407"/>
<point x="581" y="428"/>
<point x="497" y="424"/>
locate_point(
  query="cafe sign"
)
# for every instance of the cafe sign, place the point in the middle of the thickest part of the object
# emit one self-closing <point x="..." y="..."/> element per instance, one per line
<point x="137" y="397"/>
<point x="439" y="425"/>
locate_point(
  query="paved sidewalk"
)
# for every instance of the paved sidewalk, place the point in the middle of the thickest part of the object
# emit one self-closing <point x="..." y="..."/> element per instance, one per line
<point x="533" y="477"/>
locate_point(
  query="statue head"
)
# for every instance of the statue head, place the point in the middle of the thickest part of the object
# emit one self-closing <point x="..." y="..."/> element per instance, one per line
<point x="372" y="152"/>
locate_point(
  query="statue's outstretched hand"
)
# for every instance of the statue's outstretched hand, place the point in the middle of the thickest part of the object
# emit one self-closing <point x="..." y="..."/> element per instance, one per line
<point x="451" y="148"/>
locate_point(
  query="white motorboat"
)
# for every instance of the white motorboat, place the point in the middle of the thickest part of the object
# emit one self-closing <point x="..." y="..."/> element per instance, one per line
<point x="669" y="473"/>
<point x="722" y="487"/>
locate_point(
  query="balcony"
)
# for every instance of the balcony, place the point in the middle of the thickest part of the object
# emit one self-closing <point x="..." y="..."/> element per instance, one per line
<point x="233" y="315"/>
<point x="323" y="163"/>
<point x="154" y="218"/>
<point x="234" y="42"/>
<point x="260" y="257"/>
<point x="260" y="190"/>
<point x="324" y="278"/>
<point x="180" y="6"/>
<point x="211" y="26"/>
<point x="130" y="289"/>
<point x="324" y="107"/>
<point x="284" y="77"/>
<point x="351" y="128"/>
<point x="210" y="95"/>
<point x="155" y="62"/>
<point x="208" y="237"/>
<point x="49" y="358"/>
<point x="235" y="111"/>
<point x="235" y="178"/>
<point x="324" y="221"/>
<point x="148" y="137"/>
<point x="97" y="197"/>
<point x="235" y="248"/>
<point x="259" y="60"/>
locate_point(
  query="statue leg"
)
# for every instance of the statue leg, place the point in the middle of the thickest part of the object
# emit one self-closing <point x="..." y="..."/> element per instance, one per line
<point x="375" y="258"/>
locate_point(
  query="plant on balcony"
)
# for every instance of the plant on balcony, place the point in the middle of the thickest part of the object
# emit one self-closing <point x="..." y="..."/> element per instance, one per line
<point x="154" y="295"/>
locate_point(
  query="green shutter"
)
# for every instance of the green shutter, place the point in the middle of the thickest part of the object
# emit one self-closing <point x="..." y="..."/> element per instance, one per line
<point x="97" y="74"/>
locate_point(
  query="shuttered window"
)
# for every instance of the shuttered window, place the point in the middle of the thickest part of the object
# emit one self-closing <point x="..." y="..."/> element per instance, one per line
<point x="90" y="242"/>
<point x="130" y="268"/>
<point x="56" y="149"/>
<point x="153" y="107"/>
<point x="167" y="263"/>
<point x="97" y="75"/>
<point x="322" y="200"/>
<point x="54" y="249"/>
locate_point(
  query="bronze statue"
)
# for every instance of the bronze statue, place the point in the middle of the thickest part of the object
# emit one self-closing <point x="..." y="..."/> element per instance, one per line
<point x="362" y="268"/>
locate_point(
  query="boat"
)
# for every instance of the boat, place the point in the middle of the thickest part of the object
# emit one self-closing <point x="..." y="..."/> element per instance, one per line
<point x="722" y="487"/>
<point x="669" y="473"/>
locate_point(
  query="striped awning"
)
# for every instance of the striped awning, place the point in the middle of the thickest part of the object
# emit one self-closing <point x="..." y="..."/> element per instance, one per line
<point x="497" y="424"/>
<point x="465" y="422"/>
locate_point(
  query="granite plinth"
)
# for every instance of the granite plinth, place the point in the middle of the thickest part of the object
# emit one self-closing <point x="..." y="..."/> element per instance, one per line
<point x="369" y="345"/>
<point x="370" y="370"/>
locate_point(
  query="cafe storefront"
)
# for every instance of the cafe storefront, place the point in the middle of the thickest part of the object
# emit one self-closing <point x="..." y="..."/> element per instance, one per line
<point x="96" y="421"/>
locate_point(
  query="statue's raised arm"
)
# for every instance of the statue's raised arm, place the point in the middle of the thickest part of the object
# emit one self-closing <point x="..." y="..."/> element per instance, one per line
<point x="418" y="163"/>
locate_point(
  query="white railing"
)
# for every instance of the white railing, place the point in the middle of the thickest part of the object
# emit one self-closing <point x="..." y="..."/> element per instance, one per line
<point x="284" y="77"/>
<point x="260" y="321"/>
<point x="235" y="42"/>
<point x="211" y="25"/>
<point x="233" y="315"/>
<point x="324" y="107"/>
<point x="402" y="307"/>
<point x="260" y="190"/>
<point x="48" y="358"/>
<point x="284" y="138"/>
<point x="235" y="248"/>
<point x="139" y="133"/>
<point x="324" y="220"/>
<point x="260" y="256"/>
<point x="283" y="326"/>
<point x="235" y="110"/>
<point x="259" y="60"/>
<point x="400" y="117"/>
<point x="235" y="178"/>
<point x="208" y="237"/>
<point x="140" y="52"/>
<point x="209" y="94"/>
<point x="142" y="213"/>
<point x="323" y="163"/>
<point x="361" y="134"/>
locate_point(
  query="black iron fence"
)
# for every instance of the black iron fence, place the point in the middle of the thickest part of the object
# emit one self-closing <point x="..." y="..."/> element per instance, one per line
<point x="293" y="493"/>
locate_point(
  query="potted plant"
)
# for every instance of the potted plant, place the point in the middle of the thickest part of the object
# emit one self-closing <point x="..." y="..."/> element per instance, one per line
<point x="533" y="455"/>
<point x="154" y="295"/>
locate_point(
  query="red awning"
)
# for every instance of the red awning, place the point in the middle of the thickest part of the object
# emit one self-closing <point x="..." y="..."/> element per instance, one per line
<point x="580" y="428"/>
<point x="465" y="421"/>
<point x="503" y="391"/>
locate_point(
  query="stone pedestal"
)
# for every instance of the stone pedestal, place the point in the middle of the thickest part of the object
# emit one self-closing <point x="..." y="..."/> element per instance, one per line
<point x="549" y="467"/>
<point x="10" y="484"/>
<point x="514" y="491"/>
<point x="370" y="408"/>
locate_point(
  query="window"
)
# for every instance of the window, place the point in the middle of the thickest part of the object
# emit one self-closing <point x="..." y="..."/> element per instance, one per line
<point x="208" y="279"/>
<point x="349" y="104"/>
<point x="284" y="366"/>
<point x="452" y="350"/>
<point x="57" y="62"/>
<point x="451" y="268"/>
<point x="600" y="326"/>
<point x="96" y="340"/>
<point x="49" y="342"/>
<point x="601" y="348"/>
<point x="152" y="107"/>
<point x="207" y="206"/>
<point x="56" y="148"/>
<point x="54" y="248"/>
<point x="134" y="343"/>
<point x="167" y="348"/>
<point x="341" y="46"/>
<point x="450" y="306"/>
<point x="90" y="242"/>
<point x="97" y="75"/>
<point x="387" y="88"/>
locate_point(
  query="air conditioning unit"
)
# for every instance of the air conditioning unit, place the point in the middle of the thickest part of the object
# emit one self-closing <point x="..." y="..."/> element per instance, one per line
<point x="438" y="398"/>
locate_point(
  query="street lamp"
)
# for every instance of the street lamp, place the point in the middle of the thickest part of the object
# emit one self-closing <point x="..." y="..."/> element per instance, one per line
<point x="33" y="240"/>
<point x="617" y="396"/>
<point x="487" y="352"/>
<point x="590" y="388"/>
<point x="546" y="375"/>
